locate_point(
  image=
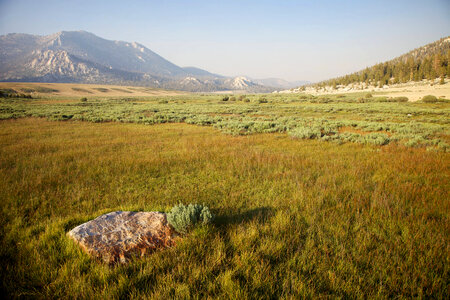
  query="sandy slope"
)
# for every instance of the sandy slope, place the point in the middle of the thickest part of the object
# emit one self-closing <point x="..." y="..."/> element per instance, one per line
<point x="413" y="90"/>
<point x="416" y="92"/>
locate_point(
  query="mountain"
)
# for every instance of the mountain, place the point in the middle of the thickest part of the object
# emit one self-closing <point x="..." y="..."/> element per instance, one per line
<point x="200" y="73"/>
<point x="427" y="62"/>
<point x="280" y="83"/>
<point x="82" y="57"/>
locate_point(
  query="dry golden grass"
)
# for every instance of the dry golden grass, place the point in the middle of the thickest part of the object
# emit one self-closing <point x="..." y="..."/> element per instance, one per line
<point x="76" y="90"/>
<point x="295" y="218"/>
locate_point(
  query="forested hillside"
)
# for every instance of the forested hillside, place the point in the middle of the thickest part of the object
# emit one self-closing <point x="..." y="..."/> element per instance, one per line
<point x="428" y="62"/>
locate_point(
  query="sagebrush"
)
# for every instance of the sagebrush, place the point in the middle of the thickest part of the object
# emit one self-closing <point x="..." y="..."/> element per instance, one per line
<point x="183" y="217"/>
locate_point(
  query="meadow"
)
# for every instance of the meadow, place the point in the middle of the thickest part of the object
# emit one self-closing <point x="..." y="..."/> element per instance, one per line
<point x="360" y="118"/>
<point x="315" y="196"/>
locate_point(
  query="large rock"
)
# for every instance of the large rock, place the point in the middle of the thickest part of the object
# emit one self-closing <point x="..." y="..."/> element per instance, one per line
<point x="121" y="235"/>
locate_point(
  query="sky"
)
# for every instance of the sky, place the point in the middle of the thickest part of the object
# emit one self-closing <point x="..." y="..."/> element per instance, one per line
<point x="294" y="40"/>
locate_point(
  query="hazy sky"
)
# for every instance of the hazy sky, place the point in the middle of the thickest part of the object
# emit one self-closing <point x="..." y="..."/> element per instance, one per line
<point x="294" y="40"/>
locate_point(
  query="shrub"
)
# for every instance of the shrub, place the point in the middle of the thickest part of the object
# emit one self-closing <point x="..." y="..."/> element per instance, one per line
<point x="368" y="95"/>
<point x="23" y="96"/>
<point x="103" y="90"/>
<point x="416" y="142"/>
<point x="182" y="217"/>
<point x="225" y="98"/>
<point x="306" y="132"/>
<point x="443" y="146"/>
<point x="262" y="100"/>
<point x="246" y="100"/>
<point x="27" y="90"/>
<point x="233" y="98"/>
<point x="429" y="99"/>
<point x="10" y="93"/>
<point x="381" y="99"/>
<point x="376" y="138"/>
<point x="323" y="100"/>
<point x="42" y="89"/>
<point x="84" y="99"/>
<point x="400" y="99"/>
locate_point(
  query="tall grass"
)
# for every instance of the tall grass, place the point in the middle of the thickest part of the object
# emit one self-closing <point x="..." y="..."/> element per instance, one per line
<point x="294" y="218"/>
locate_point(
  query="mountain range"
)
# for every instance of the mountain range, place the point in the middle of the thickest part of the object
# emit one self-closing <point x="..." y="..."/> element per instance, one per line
<point x="82" y="57"/>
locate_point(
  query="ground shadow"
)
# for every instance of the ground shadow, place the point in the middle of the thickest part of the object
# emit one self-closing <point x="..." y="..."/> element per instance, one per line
<point x="230" y="217"/>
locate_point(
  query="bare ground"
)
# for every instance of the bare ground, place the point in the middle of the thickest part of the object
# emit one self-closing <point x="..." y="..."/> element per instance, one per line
<point x="413" y="90"/>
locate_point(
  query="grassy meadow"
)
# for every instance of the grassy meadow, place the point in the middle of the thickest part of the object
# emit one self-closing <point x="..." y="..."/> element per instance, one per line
<point x="343" y="196"/>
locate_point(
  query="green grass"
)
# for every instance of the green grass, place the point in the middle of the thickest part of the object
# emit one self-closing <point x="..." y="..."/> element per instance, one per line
<point x="373" y="120"/>
<point x="295" y="218"/>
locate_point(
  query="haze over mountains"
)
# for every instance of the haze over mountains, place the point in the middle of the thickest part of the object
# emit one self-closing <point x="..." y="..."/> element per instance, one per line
<point x="82" y="57"/>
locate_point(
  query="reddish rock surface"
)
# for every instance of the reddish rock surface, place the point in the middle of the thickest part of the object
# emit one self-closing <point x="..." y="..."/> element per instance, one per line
<point x="118" y="236"/>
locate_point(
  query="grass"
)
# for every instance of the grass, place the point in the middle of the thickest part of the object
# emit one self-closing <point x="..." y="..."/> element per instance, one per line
<point x="103" y="90"/>
<point x="39" y="89"/>
<point x="376" y="120"/>
<point x="295" y="218"/>
<point x="77" y="89"/>
<point x="122" y="90"/>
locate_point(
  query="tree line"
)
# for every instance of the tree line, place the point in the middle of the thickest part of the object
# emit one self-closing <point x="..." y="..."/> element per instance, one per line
<point x="428" y="62"/>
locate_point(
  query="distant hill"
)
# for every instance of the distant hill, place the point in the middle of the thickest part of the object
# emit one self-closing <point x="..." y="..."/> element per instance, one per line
<point x="82" y="57"/>
<point x="201" y="73"/>
<point x="280" y="83"/>
<point x="428" y="62"/>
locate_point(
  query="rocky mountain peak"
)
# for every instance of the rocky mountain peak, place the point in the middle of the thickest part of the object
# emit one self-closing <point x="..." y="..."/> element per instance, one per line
<point x="80" y="56"/>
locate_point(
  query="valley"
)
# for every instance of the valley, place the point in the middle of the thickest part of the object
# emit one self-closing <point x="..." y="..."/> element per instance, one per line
<point x="224" y="149"/>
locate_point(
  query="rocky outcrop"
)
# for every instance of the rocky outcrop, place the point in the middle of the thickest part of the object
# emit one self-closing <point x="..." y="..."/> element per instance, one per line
<point x="119" y="236"/>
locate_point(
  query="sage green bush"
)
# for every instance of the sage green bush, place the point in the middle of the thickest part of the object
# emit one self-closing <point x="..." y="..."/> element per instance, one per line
<point x="182" y="217"/>
<point x="400" y="99"/>
<point x="429" y="99"/>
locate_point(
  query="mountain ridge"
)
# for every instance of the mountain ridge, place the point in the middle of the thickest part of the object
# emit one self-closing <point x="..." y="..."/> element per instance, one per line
<point x="83" y="57"/>
<point x="429" y="62"/>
